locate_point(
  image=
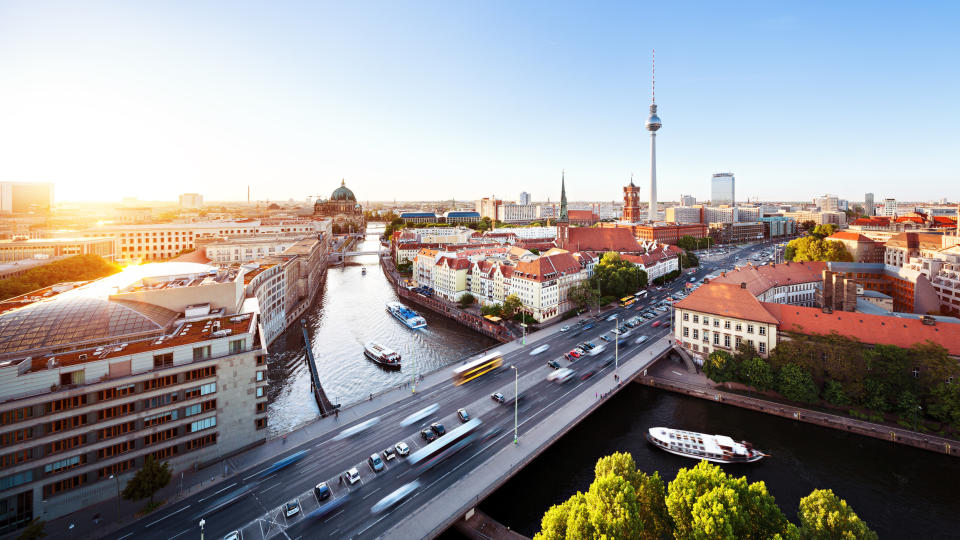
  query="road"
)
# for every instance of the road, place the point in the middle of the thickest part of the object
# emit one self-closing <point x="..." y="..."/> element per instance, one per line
<point x="252" y="502"/>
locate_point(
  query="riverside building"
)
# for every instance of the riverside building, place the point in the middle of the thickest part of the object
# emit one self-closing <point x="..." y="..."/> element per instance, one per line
<point x="162" y="360"/>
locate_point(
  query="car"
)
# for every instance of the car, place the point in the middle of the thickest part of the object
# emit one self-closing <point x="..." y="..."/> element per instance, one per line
<point x="612" y="317"/>
<point x="616" y="331"/>
<point x="321" y="491"/>
<point x="574" y="354"/>
<point x="428" y="435"/>
<point x="539" y="349"/>
<point x="564" y="328"/>
<point x="641" y="339"/>
<point x="375" y="462"/>
<point x="608" y="339"/>
<point x="233" y="535"/>
<point x="292" y="508"/>
<point x="402" y="448"/>
<point x="352" y="476"/>
<point x="491" y="433"/>
<point x="598" y="350"/>
<point x="497" y="396"/>
<point x="587" y="374"/>
<point x="666" y="324"/>
<point x="463" y="415"/>
<point x="586" y="346"/>
<point x="389" y="454"/>
<point x="625" y="334"/>
<point x="588" y="327"/>
<point x="662" y="308"/>
<point x="394" y="497"/>
<point x="655" y="324"/>
<point x="554" y="364"/>
<point x="692" y="279"/>
<point x="560" y="376"/>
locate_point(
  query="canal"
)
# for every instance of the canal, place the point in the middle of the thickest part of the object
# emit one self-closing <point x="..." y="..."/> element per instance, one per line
<point x="349" y="311"/>
<point x="900" y="492"/>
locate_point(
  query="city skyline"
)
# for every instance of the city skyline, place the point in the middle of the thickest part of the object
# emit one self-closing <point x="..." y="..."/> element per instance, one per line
<point x="153" y="101"/>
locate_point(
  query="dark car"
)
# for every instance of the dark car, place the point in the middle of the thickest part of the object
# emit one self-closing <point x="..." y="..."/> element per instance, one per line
<point x="608" y="339"/>
<point x="554" y="364"/>
<point x="438" y="428"/>
<point x="428" y="435"/>
<point x="587" y="374"/>
<point x="463" y="415"/>
<point x="321" y="491"/>
<point x="588" y="327"/>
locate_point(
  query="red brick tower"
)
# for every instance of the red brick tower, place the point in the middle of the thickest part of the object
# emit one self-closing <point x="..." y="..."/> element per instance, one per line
<point x="631" y="202"/>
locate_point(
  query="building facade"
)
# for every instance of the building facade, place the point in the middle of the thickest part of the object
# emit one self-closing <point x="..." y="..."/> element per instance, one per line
<point x="723" y="189"/>
<point x="631" y="203"/>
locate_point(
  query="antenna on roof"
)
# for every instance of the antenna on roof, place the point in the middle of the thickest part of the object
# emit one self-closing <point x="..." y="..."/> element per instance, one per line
<point x="653" y="75"/>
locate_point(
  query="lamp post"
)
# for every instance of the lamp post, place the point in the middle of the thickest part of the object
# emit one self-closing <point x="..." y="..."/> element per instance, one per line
<point x="516" y="403"/>
<point x="202" y="523"/>
<point x="118" y="494"/>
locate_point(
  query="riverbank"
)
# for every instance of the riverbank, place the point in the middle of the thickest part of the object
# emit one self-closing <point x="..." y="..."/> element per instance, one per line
<point x="699" y="386"/>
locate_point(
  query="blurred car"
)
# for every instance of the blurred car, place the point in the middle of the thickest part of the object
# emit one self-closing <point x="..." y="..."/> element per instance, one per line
<point x="292" y="508"/>
<point x="587" y="374"/>
<point x="321" y="491"/>
<point x="612" y="317"/>
<point x="402" y="448"/>
<point x="608" y="339"/>
<point x="554" y="364"/>
<point x="564" y="328"/>
<point x="641" y="339"/>
<point x="539" y="349"/>
<point x="395" y="497"/>
<point x="428" y="435"/>
<point x="560" y="376"/>
<point x="497" y="396"/>
<point x="233" y="535"/>
<point x="463" y="415"/>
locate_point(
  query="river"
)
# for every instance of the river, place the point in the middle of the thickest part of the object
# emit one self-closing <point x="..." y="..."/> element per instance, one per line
<point x="901" y="492"/>
<point x="348" y="312"/>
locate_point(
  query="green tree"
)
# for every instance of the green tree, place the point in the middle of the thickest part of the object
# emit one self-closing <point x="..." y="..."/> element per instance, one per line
<point x="815" y="248"/>
<point x="757" y="373"/>
<point x="824" y="516"/>
<point x="705" y="502"/>
<point x="535" y="251"/>
<point x="833" y="393"/>
<point x="944" y="404"/>
<point x="689" y="260"/>
<point x="76" y="268"/>
<point x="824" y="230"/>
<point x="153" y="477"/>
<point x="616" y="277"/>
<point x="511" y="305"/>
<point x="33" y="531"/>
<point x="653" y="519"/>
<point x="582" y="295"/>
<point x="720" y="367"/>
<point x="796" y="384"/>
<point x="467" y="300"/>
<point x="493" y="309"/>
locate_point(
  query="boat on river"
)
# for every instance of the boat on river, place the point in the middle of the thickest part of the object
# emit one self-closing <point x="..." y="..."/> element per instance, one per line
<point x="381" y="355"/>
<point x="406" y="315"/>
<point x="363" y="271"/>
<point x="715" y="448"/>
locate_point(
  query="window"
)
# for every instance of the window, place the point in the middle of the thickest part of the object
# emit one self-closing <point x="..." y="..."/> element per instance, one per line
<point x="201" y="353"/>
<point x="260" y="423"/>
<point x="10" y="460"/>
<point x="15" y="480"/>
<point x="686" y="331"/>
<point x="16" y="415"/>
<point x="158" y="401"/>
<point x="159" y="382"/>
<point x="205" y="423"/>
<point x="260" y="375"/>
<point x="162" y="360"/>
<point x="66" y="423"/>
<point x="237" y="346"/>
<point x="738" y="341"/>
<point x="164" y="453"/>
<point x="116" y="449"/>
<point x="261" y="360"/>
<point x="686" y="316"/>
<point x="916" y="373"/>
<point x="64" y="485"/>
<point x="113" y="431"/>
<point x="696" y="334"/>
<point x="261" y="407"/>
<point x="12" y="437"/>
<point x="65" y="404"/>
<point x="117" y="468"/>
<point x="64" y="464"/>
<point x="65" y="444"/>
<point x="114" y="393"/>
<point x="160" y="436"/>
<point x="696" y="318"/>
<point x="259" y="391"/>
<point x="200" y="442"/>
<point x="763" y="348"/>
<point x="763" y="330"/>
<point x="200" y="408"/>
<point x="160" y="418"/>
<point x="201" y="373"/>
<point x="115" y="411"/>
<point x="726" y="325"/>
<point x="749" y="328"/>
<point x="716" y="323"/>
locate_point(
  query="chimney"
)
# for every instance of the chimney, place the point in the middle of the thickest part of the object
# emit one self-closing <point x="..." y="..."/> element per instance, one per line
<point x="743" y="285"/>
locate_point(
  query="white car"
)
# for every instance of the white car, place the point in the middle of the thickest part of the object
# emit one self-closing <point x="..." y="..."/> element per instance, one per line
<point x="352" y="476"/>
<point x="564" y="328"/>
<point x="395" y="497"/>
<point x="539" y="349"/>
<point x="641" y="339"/>
<point x="560" y="376"/>
<point x="612" y="317"/>
<point x="597" y="350"/>
<point x="402" y="448"/>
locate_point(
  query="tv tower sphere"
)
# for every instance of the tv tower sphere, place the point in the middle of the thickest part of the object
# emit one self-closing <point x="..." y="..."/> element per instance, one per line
<point x="653" y="123"/>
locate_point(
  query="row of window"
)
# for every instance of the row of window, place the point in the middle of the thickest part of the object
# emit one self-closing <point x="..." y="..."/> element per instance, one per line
<point x="762" y="330"/>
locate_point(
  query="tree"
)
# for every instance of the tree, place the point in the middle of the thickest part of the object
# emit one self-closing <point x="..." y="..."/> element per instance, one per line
<point x="653" y="519"/>
<point x="511" y="305"/>
<point x="616" y="277"/>
<point x="815" y="248"/>
<point x="33" y="531"/>
<point x="76" y="268"/>
<point x="796" y="384"/>
<point x="148" y="480"/>
<point x="466" y="300"/>
<point x="494" y="309"/>
<point x="757" y="373"/>
<point x="833" y="393"/>
<point x="582" y="295"/>
<point x="720" y="367"/>
<point x="535" y="251"/>
<point x="824" y="230"/>
<point x="824" y="516"/>
<point x="944" y="404"/>
<point x="689" y="260"/>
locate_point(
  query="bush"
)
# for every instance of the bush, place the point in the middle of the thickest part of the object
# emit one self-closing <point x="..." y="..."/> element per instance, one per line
<point x="76" y="268"/>
<point x="605" y="300"/>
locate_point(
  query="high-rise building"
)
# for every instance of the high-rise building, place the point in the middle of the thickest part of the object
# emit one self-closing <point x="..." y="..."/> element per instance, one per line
<point x="868" y="205"/>
<point x="631" y="202"/>
<point x="26" y="197"/>
<point x="722" y="189"/>
<point x="653" y="124"/>
<point x="889" y="207"/>
<point x="827" y="203"/>
<point x="687" y="200"/>
<point x="524" y="198"/>
<point x="191" y="200"/>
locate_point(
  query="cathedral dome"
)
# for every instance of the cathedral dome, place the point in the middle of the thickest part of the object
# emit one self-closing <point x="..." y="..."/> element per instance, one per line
<point x="342" y="193"/>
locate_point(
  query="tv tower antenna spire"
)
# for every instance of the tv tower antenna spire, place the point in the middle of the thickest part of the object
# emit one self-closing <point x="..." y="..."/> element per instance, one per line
<point x="653" y="76"/>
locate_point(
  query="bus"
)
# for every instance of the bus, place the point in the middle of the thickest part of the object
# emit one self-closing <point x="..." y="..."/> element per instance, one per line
<point x="627" y="300"/>
<point x="480" y="366"/>
<point x="445" y="446"/>
<point x="641" y="294"/>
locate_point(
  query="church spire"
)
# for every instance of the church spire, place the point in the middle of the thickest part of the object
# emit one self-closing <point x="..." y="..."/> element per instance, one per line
<point x="563" y="197"/>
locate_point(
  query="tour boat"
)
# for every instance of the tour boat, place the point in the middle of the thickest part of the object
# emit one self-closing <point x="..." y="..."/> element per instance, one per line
<point x="381" y="355"/>
<point x="715" y="448"/>
<point x="406" y="315"/>
<point x="363" y="271"/>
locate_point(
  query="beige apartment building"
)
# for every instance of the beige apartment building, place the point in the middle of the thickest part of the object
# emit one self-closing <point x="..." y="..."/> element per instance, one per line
<point x="721" y="316"/>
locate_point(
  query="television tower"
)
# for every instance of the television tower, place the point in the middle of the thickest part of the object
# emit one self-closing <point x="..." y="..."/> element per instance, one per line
<point x="653" y="124"/>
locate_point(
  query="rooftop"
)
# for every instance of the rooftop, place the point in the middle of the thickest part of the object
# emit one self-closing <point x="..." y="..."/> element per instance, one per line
<point x="602" y="239"/>
<point x="726" y="300"/>
<point x="760" y="279"/>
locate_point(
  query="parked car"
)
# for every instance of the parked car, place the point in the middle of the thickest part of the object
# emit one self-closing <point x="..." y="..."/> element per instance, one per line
<point x="497" y="396"/>
<point x="352" y="476"/>
<point x="375" y="462"/>
<point x="402" y="448"/>
<point x="588" y="327"/>
<point x="463" y="415"/>
<point x="389" y="454"/>
<point x="292" y="508"/>
<point x="612" y="317"/>
<point x="608" y="339"/>
<point x="655" y="324"/>
<point x="321" y="491"/>
<point x="438" y="428"/>
<point x="574" y="354"/>
<point x="428" y="435"/>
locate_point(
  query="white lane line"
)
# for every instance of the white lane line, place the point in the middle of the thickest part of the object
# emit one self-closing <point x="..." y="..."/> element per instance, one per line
<point x="371" y="493"/>
<point x="334" y="532"/>
<point x="335" y="515"/>
<point x="181" y="533"/>
<point x="245" y="478"/>
<point x="168" y="515"/>
<point x="124" y="536"/>
<point x="269" y="488"/>
<point x="216" y="492"/>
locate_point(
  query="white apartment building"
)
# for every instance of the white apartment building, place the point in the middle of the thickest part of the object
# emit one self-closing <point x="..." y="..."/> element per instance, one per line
<point x="827" y="203"/>
<point x="722" y="316"/>
<point x="246" y="249"/>
<point x="527" y="233"/>
<point x="889" y="208"/>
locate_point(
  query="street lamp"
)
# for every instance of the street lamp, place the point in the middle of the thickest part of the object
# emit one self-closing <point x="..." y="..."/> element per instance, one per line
<point x="118" y="495"/>
<point x="202" y="523"/>
<point x="516" y="403"/>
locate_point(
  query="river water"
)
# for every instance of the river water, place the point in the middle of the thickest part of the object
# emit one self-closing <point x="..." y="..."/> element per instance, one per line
<point x="901" y="492"/>
<point x="349" y="311"/>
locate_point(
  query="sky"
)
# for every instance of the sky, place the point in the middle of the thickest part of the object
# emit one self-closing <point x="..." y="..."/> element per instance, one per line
<point x="439" y="100"/>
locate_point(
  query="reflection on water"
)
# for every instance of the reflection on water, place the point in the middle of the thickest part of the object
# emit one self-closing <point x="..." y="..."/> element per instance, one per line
<point x="348" y="313"/>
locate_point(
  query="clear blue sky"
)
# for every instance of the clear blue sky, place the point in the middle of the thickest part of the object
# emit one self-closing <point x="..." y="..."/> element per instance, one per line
<point x="431" y="100"/>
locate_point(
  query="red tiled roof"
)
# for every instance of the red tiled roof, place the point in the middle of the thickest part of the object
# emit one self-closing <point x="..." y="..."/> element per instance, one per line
<point x="914" y="240"/>
<point x="760" y="279"/>
<point x="602" y="239"/>
<point x="547" y="268"/>
<point x="848" y="235"/>
<point x="726" y="300"/>
<point x="458" y="263"/>
<point x="655" y="256"/>
<point x="871" y="329"/>
<point x="581" y="215"/>
<point x="198" y="255"/>
<point x="878" y="221"/>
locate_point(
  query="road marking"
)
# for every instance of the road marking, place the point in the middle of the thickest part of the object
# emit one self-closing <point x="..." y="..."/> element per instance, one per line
<point x="216" y="492"/>
<point x="124" y="536"/>
<point x="334" y="532"/>
<point x="180" y="534"/>
<point x="335" y="515"/>
<point x="269" y="488"/>
<point x="168" y="515"/>
<point x="371" y="493"/>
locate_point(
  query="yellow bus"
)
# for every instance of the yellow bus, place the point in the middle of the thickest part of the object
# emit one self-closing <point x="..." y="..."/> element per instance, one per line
<point x="476" y="368"/>
<point x="627" y="300"/>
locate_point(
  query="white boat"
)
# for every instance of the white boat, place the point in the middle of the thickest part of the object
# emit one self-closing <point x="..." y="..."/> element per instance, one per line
<point x="381" y="355"/>
<point x="715" y="448"/>
<point x="363" y="271"/>
<point x="406" y="315"/>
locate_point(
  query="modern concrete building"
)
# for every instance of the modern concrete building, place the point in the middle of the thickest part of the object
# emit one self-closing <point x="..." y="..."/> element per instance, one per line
<point x="191" y="201"/>
<point x="158" y="360"/>
<point x="723" y="189"/>
<point x="863" y="248"/>
<point x="687" y="200"/>
<point x="736" y="232"/>
<point x="869" y="207"/>
<point x="26" y="197"/>
<point x="461" y="216"/>
<point x="37" y="248"/>
<point x="524" y="198"/>
<point x="776" y="226"/>
<point x="889" y="208"/>
<point x="827" y="203"/>
<point x="685" y="214"/>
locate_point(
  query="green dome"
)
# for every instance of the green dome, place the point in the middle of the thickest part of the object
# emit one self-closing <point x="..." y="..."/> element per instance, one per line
<point x="342" y="193"/>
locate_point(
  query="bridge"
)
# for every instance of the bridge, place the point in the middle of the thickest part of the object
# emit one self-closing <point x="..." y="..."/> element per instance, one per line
<point x="368" y="252"/>
<point x="446" y="492"/>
